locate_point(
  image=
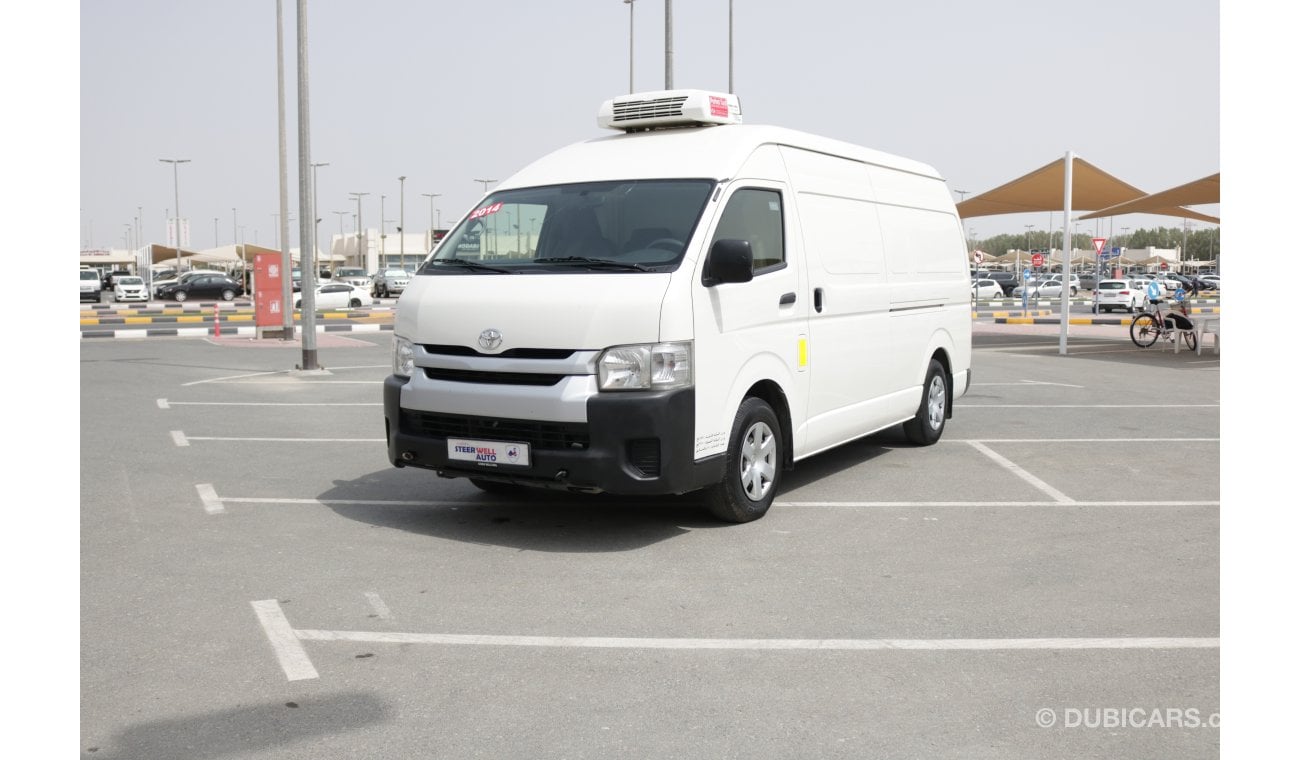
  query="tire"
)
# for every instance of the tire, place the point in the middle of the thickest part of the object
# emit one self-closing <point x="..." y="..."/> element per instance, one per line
<point x="180" y="295"/>
<point x="1144" y="330"/>
<point x="355" y="303"/>
<point x="925" y="428"/>
<point x="227" y="295"/>
<point x="1189" y="338"/>
<point x="752" y="473"/>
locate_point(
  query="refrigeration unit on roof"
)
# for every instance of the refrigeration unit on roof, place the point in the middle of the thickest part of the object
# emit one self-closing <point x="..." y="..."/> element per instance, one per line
<point x="669" y="108"/>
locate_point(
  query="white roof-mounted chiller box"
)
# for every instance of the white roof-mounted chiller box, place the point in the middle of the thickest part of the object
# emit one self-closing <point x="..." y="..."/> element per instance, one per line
<point x="669" y="108"/>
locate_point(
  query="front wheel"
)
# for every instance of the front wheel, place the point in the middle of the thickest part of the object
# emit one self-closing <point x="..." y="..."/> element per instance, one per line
<point x="1190" y="339"/>
<point x="752" y="472"/>
<point x="227" y="295"/>
<point x="180" y="295"/>
<point x="925" y="428"/>
<point x="1144" y="331"/>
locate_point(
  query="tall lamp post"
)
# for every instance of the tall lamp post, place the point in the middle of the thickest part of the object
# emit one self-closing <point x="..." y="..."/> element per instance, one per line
<point x="340" y="215"/>
<point x="631" y="8"/>
<point x="485" y="184"/>
<point x="361" y="253"/>
<point x="315" y="208"/>
<point x="431" y="196"/>
<point x="176" y="187"/>
<point x="401" y="222"/>
<point x="383" y="231"/>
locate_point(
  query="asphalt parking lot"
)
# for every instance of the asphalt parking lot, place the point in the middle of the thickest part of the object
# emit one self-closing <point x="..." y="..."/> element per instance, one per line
<point x="258" y="582"/>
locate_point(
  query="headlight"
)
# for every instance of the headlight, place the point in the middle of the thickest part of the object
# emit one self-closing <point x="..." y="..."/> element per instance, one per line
<point x="650" y="366"/>
<point x="403" y="356"/>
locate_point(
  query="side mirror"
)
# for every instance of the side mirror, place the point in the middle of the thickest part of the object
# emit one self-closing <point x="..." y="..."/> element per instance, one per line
<point x="728" y="261"/>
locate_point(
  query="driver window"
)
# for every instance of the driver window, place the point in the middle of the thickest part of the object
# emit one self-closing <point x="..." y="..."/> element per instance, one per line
<point x="754" y="215"/>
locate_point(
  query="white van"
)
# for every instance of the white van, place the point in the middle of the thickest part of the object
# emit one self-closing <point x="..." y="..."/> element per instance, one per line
<point x="694" y="304"/>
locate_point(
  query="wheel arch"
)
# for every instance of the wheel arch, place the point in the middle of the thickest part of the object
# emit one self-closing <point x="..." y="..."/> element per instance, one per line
<point x="773" y="395"/>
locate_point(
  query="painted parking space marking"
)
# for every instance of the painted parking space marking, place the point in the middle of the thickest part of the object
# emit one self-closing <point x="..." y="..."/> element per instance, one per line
<point x="184" y="440"/>
<point x="1020" y="472"/>
<point x="179" y="438"/>
<point x="211" y="503"/>
<point x="165" y="404"/>
<point x="289" y="652"/>
<point x="381" y="610"/>
<point x="286" y="642"/>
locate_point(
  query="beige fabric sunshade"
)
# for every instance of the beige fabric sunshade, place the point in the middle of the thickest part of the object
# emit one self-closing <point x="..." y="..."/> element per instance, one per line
<point x="1202" y="191"/>
<point x="1044" y="190"/>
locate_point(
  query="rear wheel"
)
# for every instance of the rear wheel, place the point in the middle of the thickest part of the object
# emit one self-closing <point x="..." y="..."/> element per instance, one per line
<point x="1190" y="339"/>
<point x="926" y="427"/>
<point x="355" y="303"/>
<point x="227" y="295"/>
<point x="180" y="295"/>
<point x="752" y="472"/>
<point x="1144" y="330"/>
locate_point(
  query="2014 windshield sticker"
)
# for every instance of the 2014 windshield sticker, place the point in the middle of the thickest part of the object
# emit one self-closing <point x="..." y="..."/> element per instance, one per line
<point x="481" y="212"/>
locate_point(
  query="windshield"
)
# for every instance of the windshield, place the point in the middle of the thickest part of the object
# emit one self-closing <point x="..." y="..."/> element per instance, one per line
<point x="89" y="274"/>
<point x="351" y="272"/>
<point x="619" y="226"/>
<point x="129" y="281"/>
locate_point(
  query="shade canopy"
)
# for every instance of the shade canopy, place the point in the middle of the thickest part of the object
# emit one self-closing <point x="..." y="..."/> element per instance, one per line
<point x="1169" y="202"/>
<point x="1044" y="190"/>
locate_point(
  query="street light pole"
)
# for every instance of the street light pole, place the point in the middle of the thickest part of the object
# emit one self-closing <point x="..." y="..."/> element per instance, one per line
<point x="485" y="184"/>
<point x="176" y="187"/>
<point x="401" y="222"/>
<point x="631" y="10"/>
<point x="340" y="215"/>
<point x="362" y="255"/>
<point x="431" y="196"/>
<point x="315" y="209"/>
<point x="383" y="231"/>
<point x="668" y="44"/>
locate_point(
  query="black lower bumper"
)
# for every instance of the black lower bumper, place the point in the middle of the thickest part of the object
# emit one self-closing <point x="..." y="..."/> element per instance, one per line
<point x="633" y="443"/>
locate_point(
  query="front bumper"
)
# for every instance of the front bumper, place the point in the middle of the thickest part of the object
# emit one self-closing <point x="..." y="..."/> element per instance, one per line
<point x="631" y="443"/>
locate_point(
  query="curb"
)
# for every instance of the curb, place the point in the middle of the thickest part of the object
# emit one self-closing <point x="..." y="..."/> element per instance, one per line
<point x="204" y="332"/>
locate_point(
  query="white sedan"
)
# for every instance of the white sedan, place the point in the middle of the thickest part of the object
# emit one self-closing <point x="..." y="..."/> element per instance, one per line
<point x="338" y="295"/>
<point x="129" y="288"/>
<point x="981" y="289"/>
<point x="1049" y="289"/>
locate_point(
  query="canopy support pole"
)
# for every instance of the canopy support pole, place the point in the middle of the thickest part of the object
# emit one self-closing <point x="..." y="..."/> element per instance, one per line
<point x="1067" y="246"/>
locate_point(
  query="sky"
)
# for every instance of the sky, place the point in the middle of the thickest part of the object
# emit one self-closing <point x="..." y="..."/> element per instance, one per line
<point x="446" y="93"/>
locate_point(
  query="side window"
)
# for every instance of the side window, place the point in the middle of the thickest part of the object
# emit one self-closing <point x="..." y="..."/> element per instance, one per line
<point x="755" y="215"/>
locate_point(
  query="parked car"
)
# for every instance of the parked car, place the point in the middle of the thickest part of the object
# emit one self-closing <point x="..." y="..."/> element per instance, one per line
<point x="91" y="286"/>
<point x="1075" y="283"/>
<point x="389" y="282"/>
<point x="1121" y="294"/>
<point x="110" y="278"/>
<point x="337" y="294"/>
<point x="129" y="287"/>
<point x="159" y="284"/>
<point x="985" y="288"/>
<point x="1006" y="280"/>
<point x="1044" y="289"/>
<point x="202" y="286"/>
<point x="1210" y="282"/>
<point x="353" y="275"/>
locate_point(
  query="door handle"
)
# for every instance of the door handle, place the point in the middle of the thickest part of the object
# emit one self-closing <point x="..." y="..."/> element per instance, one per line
<point x="787" y="299"/>
<point x="817" y="299"/>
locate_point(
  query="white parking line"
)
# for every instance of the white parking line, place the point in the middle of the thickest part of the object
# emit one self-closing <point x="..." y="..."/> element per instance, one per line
<point x="164" y="404"/>
<point x="208" y="495"/>
<point x="1087" y="406"/>
<point x="286" y="642"/>
<point x="1019" y="472"/>
<point x="179" y="438"/>
<point x="381" y="610"/>
<point x="272" y="440"/>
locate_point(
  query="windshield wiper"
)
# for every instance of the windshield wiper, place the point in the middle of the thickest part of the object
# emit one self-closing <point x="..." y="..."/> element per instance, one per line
<point x="475" y="265"/>
<point x="595" y="263"/>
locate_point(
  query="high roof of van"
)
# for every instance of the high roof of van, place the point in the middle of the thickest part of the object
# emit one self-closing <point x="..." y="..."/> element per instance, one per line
<point x="712" y="152"/>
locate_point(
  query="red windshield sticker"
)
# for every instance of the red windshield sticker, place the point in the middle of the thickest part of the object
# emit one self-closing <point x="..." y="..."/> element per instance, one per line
<point x="718" y="106"/>
<point x="479" y="212"/>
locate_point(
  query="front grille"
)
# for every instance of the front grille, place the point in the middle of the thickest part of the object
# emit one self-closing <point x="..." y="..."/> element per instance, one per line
<point x="538" y="435"/>
<point x="648" y="109"/>
<point x="512" y="353"/>
<point x="491" y="378"/>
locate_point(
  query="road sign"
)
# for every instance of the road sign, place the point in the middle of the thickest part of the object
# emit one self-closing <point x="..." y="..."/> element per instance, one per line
<point x="1037" y="260"/>
<point x="1099" y="244"/>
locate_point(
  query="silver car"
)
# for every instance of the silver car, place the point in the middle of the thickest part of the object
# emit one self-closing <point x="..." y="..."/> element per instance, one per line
<point x="389" y="282"/>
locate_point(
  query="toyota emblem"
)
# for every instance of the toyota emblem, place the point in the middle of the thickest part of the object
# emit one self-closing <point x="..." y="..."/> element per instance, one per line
<point x="490" y="339"/>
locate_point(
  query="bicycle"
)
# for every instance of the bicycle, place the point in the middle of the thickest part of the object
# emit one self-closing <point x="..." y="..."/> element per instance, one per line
<point x="1149" y="326"/>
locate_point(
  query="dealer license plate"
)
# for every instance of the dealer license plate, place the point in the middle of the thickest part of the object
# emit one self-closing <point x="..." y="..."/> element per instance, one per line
<point x="488" y="453"/>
